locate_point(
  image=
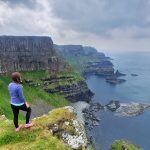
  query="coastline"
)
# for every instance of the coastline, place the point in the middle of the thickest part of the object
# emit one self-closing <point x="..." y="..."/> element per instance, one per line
<point x="134" y="90"/>
<point x="79" y="107"/>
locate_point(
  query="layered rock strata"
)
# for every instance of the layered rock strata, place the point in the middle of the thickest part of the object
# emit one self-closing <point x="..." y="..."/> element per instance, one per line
<point x="21" y="53"/>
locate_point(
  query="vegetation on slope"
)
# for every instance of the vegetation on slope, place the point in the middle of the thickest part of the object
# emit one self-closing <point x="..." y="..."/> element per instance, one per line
<point x="123" y="145"/>
<point x="79" y="57"/>
<point x="79" y="62"/>
<point x="33" y="93"/>
<point x="38" y="137"/>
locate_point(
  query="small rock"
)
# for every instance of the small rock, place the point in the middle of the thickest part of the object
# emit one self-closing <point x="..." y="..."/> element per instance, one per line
<point x="113" y="105"/>
<point x="66" y="123"/>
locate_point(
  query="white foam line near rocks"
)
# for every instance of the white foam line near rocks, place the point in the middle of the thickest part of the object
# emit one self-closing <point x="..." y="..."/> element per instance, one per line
<point x="79" y="106"/>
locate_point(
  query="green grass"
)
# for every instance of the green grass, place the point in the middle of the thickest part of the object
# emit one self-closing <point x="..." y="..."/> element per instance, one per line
<point x="118" y="145"/>
<point x="79" y="62"/>
<point x="38" y="137"/>
<point x="32" y="94"/>
<point x="36" y="75"/>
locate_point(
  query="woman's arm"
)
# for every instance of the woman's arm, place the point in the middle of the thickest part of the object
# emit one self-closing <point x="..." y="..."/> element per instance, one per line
<point x="20" y="93"/>
<point x="27" y="105"/>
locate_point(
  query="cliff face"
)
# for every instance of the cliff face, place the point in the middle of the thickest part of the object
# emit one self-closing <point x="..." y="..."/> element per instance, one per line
<point x="19" y="53"/>
<point x="73" y="92"/>
<point x="70" y="49"/>
<point x="87" y="60"/>
<point x="72" y="86"/>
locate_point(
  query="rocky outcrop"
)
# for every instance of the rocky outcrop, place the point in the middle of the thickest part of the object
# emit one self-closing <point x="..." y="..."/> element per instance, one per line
<point x="118" y="108"/>
<point x="101" y="68"/>
<point x="131" y="109"/>
<point x="115" y="80"/>
<point x="67" y="86"/>
<point x="99" y="64"/>
<point x="20" y="53"/>
<point x="118" y="73"/>
<point x="3" y="118"/>
<point x="113" y="105"/>
<point x="89" y="113"/>
<point x="67" y="128"/>
<point x="73" y="92"/>
<point x="134" y="75"/>
<point x="127" y="109"/>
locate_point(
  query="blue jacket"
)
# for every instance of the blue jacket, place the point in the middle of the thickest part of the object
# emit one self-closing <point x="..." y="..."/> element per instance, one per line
<point x="16" y="94"/>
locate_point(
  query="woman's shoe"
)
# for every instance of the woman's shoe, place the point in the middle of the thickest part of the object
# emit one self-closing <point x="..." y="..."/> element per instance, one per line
<point x="28" y="125"/>
<point x="19" y="128"/>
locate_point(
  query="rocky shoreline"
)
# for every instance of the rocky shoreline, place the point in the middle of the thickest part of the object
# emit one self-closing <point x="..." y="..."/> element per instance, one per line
<point x="120" y="109"/>
<point x="92" y="63"/>
<point x="91" y="120"/>
<point x="106" y="72"/>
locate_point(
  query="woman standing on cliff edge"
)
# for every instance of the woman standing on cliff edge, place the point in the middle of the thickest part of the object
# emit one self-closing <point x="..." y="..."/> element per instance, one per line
<point x="18" y="101"/>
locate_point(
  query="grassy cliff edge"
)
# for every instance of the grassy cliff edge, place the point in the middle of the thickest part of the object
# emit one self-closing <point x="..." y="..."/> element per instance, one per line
<point x="58" y="130"/>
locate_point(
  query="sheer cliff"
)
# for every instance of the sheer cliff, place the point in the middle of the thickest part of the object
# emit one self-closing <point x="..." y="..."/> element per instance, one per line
<point x="21" y="53"/>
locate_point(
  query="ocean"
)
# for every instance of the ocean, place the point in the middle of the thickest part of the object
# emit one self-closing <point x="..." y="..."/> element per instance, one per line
<point x="135" y="89"/>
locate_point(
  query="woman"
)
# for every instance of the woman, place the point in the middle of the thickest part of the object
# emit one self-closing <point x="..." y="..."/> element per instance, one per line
<point x="18" y="101"/>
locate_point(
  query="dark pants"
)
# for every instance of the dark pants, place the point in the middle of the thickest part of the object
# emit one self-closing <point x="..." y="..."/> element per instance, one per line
<point x="16" y="109"/>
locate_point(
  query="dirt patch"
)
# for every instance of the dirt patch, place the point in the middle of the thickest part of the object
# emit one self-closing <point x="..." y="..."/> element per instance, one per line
<point x="40" y="108"/>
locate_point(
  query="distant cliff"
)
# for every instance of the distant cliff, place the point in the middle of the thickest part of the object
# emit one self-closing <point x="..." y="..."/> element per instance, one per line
<point x="19" y="53"/>
<point x="71" y="50"/>
<point x="87" y="60"/>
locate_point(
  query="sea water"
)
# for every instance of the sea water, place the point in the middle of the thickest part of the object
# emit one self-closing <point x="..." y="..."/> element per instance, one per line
<point x="136" y="88"/>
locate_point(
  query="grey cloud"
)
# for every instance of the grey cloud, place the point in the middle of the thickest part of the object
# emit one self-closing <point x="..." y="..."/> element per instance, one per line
<point x="101" y="16"/>
<point x="107" y="24"/>
<point x="28" y="3"/>
<point x="98" y="17"/>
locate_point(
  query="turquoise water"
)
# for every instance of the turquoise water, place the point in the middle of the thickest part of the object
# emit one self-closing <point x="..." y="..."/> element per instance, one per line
<point x="134" y="129"/>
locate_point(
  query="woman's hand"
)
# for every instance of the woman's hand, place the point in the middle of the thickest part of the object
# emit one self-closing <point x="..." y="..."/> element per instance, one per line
<point x="27" y="105"/>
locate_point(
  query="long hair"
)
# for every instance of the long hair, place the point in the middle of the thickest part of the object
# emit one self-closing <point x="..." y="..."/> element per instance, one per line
<point x="16" y="77"/>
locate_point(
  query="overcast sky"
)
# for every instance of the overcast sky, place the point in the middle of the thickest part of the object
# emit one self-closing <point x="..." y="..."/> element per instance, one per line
<point x="121" y="25"/>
